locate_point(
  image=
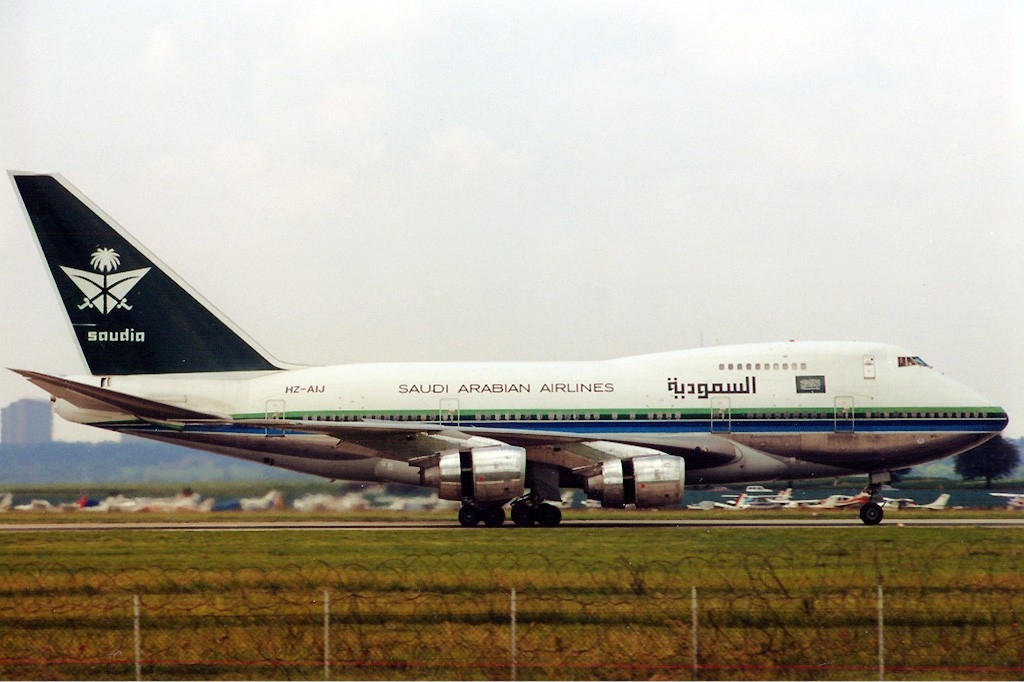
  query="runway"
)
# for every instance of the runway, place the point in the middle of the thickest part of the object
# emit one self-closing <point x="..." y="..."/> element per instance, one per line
<point x="251" y="526"/>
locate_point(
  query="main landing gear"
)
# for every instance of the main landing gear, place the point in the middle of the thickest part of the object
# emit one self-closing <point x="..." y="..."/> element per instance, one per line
<point x="526" y="511"/>
<point x="492" y="515"/>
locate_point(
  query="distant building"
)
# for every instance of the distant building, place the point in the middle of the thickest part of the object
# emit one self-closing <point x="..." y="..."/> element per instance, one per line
<point x="25" y="422"/>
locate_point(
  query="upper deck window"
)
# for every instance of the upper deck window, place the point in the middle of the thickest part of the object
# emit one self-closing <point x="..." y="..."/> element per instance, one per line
<point x="767" y="366"/>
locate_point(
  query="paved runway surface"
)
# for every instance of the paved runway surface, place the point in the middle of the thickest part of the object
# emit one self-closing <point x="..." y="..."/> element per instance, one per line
<point x="235" y="526"/>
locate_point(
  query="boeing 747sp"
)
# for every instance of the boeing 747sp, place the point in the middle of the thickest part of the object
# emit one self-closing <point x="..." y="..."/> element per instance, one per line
<point x="165" y="364"/>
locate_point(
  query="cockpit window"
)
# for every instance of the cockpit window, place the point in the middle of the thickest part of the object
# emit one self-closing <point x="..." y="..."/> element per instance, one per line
<point x="910" y="361"/>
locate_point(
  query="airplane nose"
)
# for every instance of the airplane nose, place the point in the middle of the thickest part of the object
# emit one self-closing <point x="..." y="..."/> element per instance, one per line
<point x="1002" y="419"/>
<point x="992" y="417"/>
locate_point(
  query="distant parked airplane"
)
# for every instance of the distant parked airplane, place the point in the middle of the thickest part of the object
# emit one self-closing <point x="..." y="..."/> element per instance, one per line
<point x="772" y="500"/>
<point x="740" y="502"/>
<point x="165" y="364"/>
<point x="1013" y="500"/>
<point x="832" y="501"/>
<point x="272" y="500"/>
<point x="184" y="501"/>
<point x="753" y="497"/>
<point x="908" y="503"/>
<point x="321" y="502"/>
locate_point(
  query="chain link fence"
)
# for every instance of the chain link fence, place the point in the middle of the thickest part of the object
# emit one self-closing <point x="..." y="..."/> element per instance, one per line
<point x="573" y="620"/>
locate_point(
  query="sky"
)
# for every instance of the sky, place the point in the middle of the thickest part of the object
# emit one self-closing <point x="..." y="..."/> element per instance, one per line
<point x="394" y="181"/>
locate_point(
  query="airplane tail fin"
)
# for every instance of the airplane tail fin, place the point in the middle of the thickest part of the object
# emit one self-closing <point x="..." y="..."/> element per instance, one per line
<point x="940" y="502"/>
<point x="130" y="313"/>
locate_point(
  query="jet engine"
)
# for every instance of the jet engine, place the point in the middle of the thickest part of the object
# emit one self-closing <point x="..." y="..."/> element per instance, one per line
<point x="647" y="481"/>
<point x="493" y="474"/>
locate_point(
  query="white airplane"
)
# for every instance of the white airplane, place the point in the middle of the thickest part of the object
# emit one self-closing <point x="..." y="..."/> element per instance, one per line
<point x="753" y="497"/>
<point x="738" y="502"/>
<point x="184" y="501"/>
<point x="940" y="503"/>
<point x="40" y="506"/>
<point x="837" y="501"/>
<point x="750" y="491"/>
<point x="165" y="364"/>
<point x="770" y="501"/>
<point x="272" y="500"/>
<point x="1013" y="500"/>
<point x="321" y="502"/>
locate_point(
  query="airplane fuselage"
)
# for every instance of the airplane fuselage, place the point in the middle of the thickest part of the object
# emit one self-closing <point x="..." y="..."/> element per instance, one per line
<point x="794" y="410"/>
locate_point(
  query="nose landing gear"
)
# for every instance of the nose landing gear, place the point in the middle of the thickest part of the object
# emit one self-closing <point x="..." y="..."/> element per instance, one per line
<point x="871" y="511"/>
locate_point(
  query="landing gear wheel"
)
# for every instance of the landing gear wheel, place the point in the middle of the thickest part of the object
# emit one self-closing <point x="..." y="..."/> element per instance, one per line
<point x="522" y="515"/>
<point x="871" y="513"/>
<point x="548" y="515"/>
<point x="494" y="516"/>
<point x="469" y="515"/>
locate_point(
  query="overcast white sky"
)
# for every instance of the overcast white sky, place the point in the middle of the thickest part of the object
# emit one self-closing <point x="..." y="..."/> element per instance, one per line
<point x="537" y="180"/>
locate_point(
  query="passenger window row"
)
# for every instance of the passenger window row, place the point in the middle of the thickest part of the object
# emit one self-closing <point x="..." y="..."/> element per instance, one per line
<point x="606" y="416"/>
<point x="764" y="366"/>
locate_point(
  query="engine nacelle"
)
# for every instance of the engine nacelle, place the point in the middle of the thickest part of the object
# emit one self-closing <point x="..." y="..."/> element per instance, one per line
<point x="485" y="474"/>
<point x="648" y="481"/>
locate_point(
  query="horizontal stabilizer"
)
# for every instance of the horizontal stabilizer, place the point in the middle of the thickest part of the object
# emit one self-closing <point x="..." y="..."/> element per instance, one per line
<point x="103" y="399"/>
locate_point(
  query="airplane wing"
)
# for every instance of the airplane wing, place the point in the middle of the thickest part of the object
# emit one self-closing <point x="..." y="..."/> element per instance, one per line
<point x="418" y="443"/>
<point x="572" y="450"/>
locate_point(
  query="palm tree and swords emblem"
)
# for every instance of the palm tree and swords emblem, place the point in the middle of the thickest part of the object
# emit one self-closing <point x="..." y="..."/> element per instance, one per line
<point x="105" y="289"/>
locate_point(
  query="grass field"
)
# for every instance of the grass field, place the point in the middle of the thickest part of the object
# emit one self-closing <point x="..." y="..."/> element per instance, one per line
<point x="590" y="603"/>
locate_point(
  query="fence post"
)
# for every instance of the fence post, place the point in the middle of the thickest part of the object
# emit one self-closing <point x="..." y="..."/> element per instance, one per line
<point x="327" y="635"/>
<point x="881" y="635"/>
<point x="137" y="608"/>
<point x="693" y="617"/>
<point x="512" y="623"/>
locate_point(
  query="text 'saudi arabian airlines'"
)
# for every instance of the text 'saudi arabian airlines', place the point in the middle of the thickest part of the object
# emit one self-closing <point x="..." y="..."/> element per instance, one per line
<point x="165" y="364"/>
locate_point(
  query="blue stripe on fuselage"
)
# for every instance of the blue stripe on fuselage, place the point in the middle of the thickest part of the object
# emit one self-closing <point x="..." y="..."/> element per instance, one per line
<point x="598" y="428"/>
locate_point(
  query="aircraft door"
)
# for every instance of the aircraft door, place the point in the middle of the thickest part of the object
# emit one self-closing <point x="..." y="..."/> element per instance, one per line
<point x="275" y="410"/>
<point x="449" y="411"/>
<point x="844" y="414"/>
<point x="720" y="415"/>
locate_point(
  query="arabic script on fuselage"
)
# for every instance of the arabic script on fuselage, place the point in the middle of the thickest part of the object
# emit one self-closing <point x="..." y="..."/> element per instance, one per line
<point x="681" y="389"/>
